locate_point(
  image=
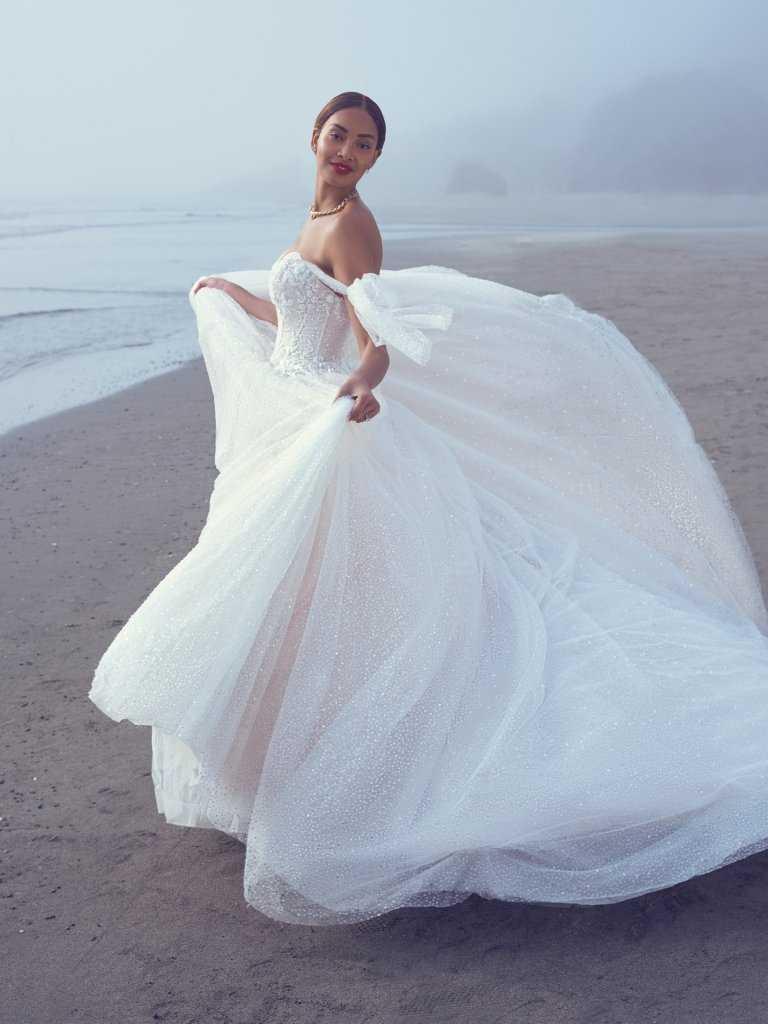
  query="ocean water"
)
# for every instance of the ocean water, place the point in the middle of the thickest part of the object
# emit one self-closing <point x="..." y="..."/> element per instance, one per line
<point x="93" y="298"/>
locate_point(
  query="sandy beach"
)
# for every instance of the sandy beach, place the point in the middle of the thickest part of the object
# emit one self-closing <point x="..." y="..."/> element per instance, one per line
<point x="112" y="914"/>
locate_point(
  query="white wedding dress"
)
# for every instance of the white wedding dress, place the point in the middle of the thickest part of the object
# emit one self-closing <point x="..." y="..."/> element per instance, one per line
<point x="505" y="638"/>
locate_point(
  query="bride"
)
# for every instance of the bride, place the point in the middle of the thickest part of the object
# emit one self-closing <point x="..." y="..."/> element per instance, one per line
<point x="470" y="612"/>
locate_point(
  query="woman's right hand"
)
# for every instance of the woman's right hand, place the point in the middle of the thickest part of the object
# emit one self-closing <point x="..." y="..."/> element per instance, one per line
<point x="262" y="309"/>
<point x="212" y="282"/>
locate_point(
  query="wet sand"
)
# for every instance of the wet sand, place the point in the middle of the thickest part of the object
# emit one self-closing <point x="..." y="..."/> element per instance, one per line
<point x="112" y="914"/>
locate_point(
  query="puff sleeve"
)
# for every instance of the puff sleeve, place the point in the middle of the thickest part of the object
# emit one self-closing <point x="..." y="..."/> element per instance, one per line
<point x="389" y="319"/>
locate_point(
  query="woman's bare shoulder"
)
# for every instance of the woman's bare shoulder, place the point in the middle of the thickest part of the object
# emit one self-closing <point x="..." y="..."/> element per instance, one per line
<point x="357" y="234"/>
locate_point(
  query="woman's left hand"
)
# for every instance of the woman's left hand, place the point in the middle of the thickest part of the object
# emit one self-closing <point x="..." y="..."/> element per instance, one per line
<point x="366" y="404"/>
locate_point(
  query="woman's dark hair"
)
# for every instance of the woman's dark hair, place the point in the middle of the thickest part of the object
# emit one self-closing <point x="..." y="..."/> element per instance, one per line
<point x="353" y="99"/>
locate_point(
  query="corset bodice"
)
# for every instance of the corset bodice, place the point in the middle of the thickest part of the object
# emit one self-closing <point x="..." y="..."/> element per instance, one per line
<point x="314" y="333"/>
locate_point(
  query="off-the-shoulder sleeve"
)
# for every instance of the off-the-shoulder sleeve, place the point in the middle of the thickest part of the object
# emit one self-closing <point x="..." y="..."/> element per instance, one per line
<point x="380" y="308"/>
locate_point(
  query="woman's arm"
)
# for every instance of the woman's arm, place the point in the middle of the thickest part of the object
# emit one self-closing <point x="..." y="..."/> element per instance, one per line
<point x="359" y="384"/>
<point x="357" y="255"/>
<point x="262" y="309"/>
<point x="374" y="359"/>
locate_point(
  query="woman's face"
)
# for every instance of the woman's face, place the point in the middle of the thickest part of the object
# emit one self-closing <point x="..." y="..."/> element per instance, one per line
<point x="346" y="147"/>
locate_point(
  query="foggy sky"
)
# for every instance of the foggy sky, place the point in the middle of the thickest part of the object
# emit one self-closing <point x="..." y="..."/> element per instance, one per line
<point x="168" y="97"/>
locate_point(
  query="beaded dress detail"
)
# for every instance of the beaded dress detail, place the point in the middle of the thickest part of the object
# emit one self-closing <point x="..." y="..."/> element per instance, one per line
<point x="313" y="334"/>
<point x="505" y="638"/>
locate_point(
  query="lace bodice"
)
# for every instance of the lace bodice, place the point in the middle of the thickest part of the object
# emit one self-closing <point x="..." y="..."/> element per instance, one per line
<point x="314" y="332"/>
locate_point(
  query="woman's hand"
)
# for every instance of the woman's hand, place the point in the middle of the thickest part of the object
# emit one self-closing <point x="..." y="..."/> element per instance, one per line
<point x="366" y="404"/>
<point x="262" y="309"/>
<point x="212" y="282"/>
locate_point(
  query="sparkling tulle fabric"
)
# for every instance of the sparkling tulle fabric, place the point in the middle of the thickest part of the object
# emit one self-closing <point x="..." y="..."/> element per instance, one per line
<point x="505" y="638"/>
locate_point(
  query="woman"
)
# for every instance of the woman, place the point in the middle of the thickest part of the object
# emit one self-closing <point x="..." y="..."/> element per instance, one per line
<point x="492" y="629"/>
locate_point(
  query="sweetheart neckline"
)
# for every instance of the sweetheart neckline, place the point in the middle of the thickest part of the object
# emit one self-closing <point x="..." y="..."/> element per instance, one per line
<point x="309" y="263"/>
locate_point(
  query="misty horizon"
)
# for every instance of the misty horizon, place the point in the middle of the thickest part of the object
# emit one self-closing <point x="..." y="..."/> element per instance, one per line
<point x="165" y="102"/>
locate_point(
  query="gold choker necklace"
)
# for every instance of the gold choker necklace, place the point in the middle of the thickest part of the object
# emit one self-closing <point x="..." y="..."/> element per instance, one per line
<point x="314" y="212"/>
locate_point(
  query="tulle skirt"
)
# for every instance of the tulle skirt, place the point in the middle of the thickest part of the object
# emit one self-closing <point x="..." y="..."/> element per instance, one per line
<point x="406" y="661"/>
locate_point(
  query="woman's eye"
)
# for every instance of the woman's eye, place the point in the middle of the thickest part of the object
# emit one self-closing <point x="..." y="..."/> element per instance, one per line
<point x="336" y="135"/>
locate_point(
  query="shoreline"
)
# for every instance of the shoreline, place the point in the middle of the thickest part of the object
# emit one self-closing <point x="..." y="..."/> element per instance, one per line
<point x="88" y="373"/>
